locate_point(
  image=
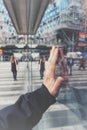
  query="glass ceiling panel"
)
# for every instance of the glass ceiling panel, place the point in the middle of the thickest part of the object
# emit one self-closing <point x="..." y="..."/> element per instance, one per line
<point x="26" y="14"/>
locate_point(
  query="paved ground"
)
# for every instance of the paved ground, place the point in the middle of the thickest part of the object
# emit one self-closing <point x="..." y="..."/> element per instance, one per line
<point x="10" y="90"/>
<point x="70" y="110"/>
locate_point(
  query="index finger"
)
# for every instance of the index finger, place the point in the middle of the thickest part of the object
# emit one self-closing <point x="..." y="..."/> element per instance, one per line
<point x="54" y="55"/>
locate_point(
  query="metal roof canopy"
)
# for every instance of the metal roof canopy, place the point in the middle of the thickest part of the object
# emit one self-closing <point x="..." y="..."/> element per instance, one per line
<point x="26" y="15"/>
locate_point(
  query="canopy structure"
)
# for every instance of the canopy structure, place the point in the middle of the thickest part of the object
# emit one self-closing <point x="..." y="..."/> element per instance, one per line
<point x="74" y="55"/>
<point x="26" y="15"/>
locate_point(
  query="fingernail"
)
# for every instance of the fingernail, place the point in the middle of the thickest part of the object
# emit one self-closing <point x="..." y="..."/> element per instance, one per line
<point x="56" y="46"/>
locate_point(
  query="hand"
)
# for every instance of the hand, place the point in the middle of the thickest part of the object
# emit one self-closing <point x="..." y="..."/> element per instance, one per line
<point x="53" y="85"/>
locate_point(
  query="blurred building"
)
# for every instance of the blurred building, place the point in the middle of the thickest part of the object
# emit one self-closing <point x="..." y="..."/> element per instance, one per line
<point x="64" y="19"/>
<point x="61" y="24"/>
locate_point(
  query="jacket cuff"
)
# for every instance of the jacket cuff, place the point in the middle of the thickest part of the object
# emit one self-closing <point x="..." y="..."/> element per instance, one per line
<point x="41" y="99"/>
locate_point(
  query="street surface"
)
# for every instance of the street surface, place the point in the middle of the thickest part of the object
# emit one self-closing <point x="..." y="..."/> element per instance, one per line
<point x="10" y="90"/>
<point x="70" y="110"/>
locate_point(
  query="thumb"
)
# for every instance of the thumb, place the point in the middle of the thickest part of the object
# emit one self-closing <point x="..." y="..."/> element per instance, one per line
<point x="57" y="85"/>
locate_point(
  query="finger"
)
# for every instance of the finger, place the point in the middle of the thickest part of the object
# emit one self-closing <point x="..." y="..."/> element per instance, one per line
<point x="64" y="65"/>
<point x="51" y="66"/>
<point x="57" y="85"/>
<point x="61" y="54"/>
<point x="52" y="52"/>
<point x="55" y="55"/>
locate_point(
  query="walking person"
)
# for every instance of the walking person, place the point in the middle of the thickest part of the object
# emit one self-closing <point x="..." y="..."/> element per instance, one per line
<point x="70" y="64"/>
<point x="14" y="67"/>
<point x="82" y="64"/>
<point x="42" y="66"/>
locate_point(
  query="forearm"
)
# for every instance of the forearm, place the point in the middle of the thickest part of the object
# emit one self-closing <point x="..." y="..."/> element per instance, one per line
<point x="27" y="111"/>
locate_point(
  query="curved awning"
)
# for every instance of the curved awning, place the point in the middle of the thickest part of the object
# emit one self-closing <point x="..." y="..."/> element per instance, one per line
<point x="26" y="15"/>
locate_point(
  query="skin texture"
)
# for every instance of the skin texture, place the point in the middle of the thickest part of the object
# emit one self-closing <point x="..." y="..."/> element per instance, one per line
<point x="53" y="84"/>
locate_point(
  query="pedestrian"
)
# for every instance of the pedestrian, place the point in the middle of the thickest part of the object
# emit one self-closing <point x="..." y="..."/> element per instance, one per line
<point x="42" y="66"/>
<point x="29" y="108"/>
<point x="82" y="63"/>
<point x="70" y="64"/>
<point x="14" y="64"/>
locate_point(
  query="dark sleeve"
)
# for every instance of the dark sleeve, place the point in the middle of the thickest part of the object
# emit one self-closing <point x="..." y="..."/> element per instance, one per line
<point x="27" y="111"/>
